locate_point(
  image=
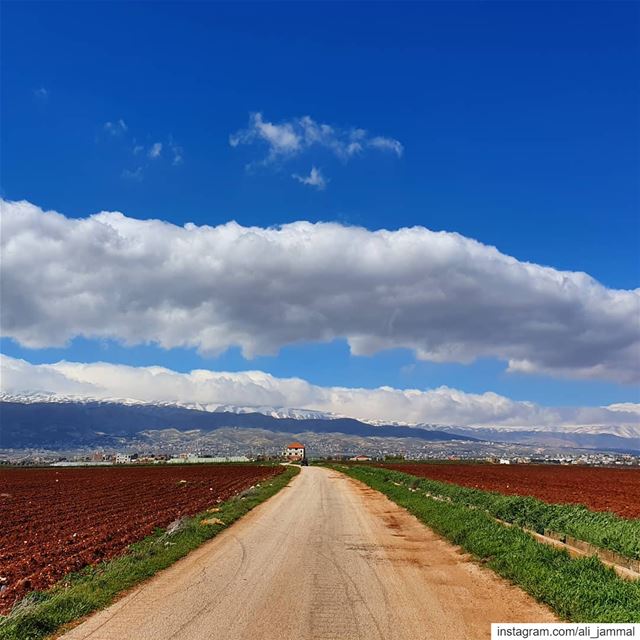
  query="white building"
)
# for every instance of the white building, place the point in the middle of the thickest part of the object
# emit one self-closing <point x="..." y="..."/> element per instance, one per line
<point x="123" y="458"/>
<point x="196" y="460"/>
<point x="294" y="451"/>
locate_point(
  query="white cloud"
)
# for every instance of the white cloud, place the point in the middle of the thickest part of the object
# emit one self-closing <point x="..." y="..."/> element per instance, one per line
<point x="435" y="406"/>
<point x="156" y="150"/>
<point x="133" y="174"/>
<point x="447" y="297"/>
<point x="152" y="154"/>
<point x="314" y="179"/>
<point x="625" y="407"/>
<point x="116" y="128"/>
<point x="387" y="144"/>
<point x="281" y="139"/>
<point x="41" y="94"/>
<point x="18" y="375"/>
<point x="177" y="151"/>
<point x="292" y="137"/>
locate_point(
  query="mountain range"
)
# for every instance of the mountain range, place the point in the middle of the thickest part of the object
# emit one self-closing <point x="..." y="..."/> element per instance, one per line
<point x="36" y="420"/>
<point x="66" y="423"/>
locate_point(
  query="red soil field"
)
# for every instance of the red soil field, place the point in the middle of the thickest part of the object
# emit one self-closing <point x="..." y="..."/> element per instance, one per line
<point x="55" y="521"/>
<point x="599" y="489"/>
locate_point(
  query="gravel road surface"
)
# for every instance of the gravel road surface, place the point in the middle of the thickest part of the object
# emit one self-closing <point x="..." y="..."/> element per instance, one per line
<point x="326" y="558"/>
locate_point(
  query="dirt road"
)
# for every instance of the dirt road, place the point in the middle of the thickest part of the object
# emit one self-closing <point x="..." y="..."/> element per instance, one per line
<point x="325" y="558"/>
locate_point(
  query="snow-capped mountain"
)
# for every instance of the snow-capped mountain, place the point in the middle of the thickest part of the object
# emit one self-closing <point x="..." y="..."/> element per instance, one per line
<point x="618" y="430"/>
<point x="619" y="436"/>
<point x="33" y="420"/>
<point x="212" y="407"/>
<point x="278" y="412"/>
<point x="32" y="397"/>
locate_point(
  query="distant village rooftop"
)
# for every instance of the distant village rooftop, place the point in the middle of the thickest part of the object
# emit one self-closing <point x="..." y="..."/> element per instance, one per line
<point x="295" y="452"/>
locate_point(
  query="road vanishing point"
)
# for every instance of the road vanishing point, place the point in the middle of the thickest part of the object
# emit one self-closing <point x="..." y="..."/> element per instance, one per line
<point x="325" y="558"/>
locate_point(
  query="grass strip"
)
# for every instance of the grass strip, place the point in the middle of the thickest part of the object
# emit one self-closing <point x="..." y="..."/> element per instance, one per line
<point x="577" y="589"/>
<point x="604" y="530"/>
<point x="42" y="613"/>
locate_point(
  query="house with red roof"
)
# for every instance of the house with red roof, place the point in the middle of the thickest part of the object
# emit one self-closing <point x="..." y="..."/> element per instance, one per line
<point x="294" y="452"/>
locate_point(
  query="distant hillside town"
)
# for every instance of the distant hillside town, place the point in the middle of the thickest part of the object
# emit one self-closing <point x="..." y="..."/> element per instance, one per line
<point x="297" y="452"/>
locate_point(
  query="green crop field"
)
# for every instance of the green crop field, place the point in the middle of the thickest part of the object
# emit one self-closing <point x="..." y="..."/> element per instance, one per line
<point x="604" y="530"/>
<point x="577" y="589"/>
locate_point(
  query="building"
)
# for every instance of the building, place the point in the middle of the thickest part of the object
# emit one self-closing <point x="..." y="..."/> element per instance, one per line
<point x="295" y="452"/>
<point x="360" y="459"/>
<point x="193" y="459"/>
<point x="123" y="458"/>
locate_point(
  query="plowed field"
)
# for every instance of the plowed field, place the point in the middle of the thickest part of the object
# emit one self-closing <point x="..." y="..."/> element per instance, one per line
<point x="54" y="521"/>
<point x="599" y="489"/>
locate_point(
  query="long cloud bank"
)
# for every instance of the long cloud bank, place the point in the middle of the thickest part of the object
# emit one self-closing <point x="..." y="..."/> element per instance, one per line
<point x="256" y="388"/>
<point x="447" y="297"/>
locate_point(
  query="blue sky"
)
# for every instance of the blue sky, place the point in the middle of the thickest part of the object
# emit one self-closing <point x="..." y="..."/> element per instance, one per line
<point x="519" y="124"/>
